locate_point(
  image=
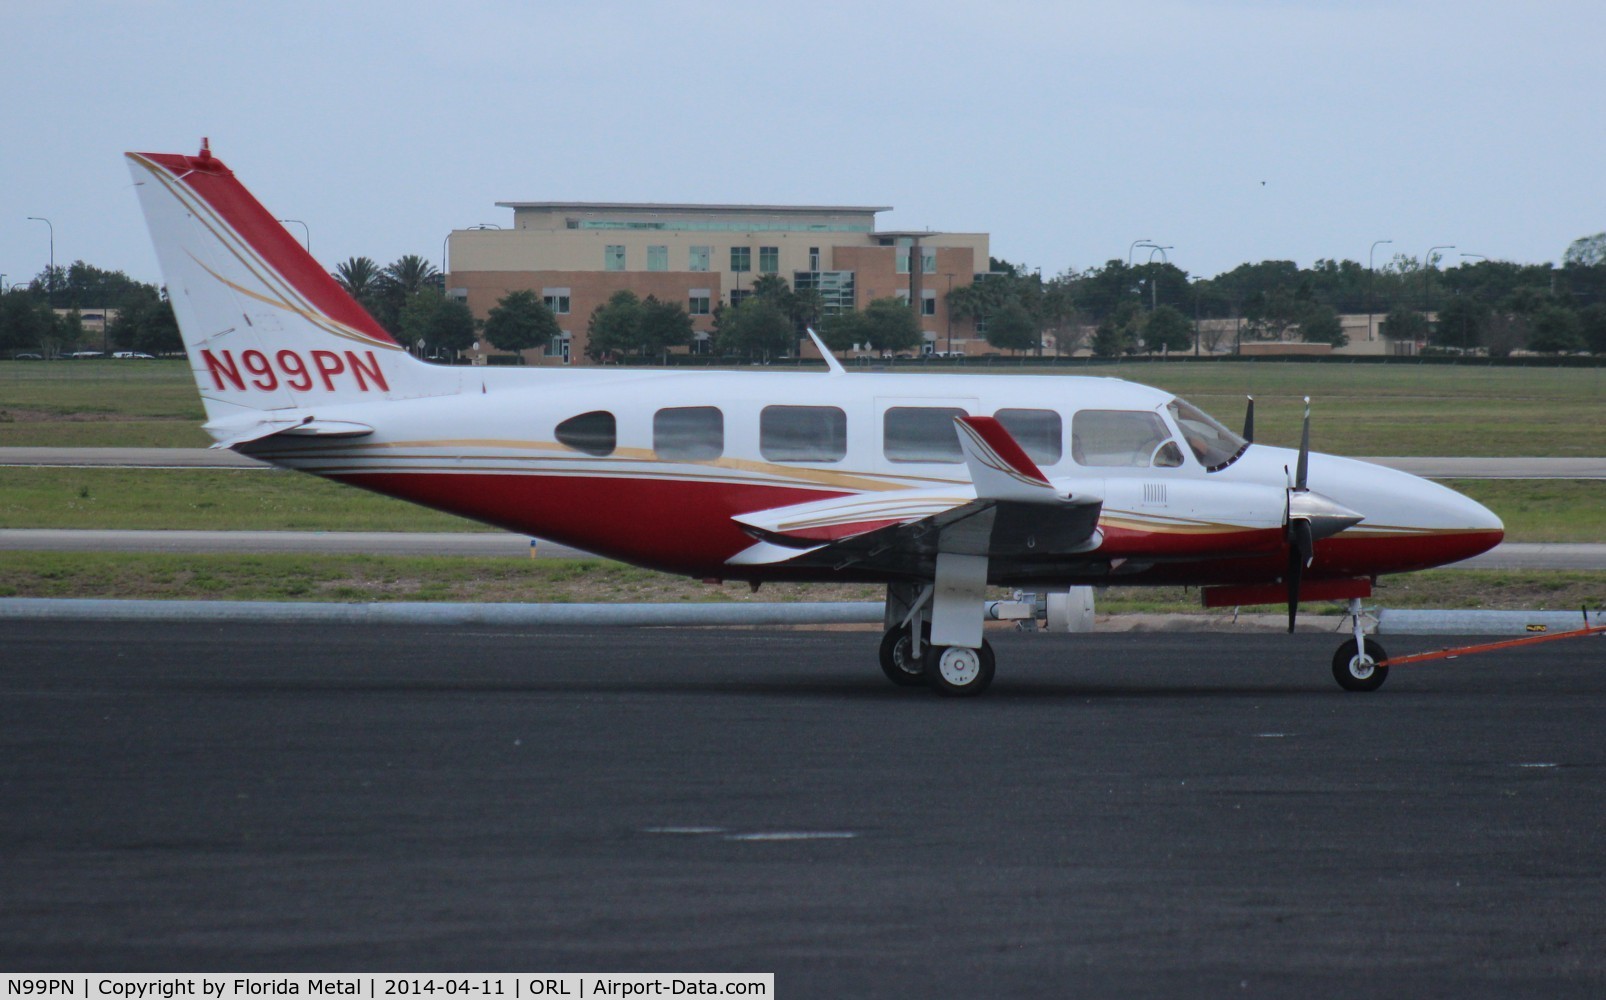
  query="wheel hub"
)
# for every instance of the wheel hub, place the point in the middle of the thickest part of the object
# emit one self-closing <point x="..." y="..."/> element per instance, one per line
<point x="1361" y="667"/>
<point x="959" y="666"/>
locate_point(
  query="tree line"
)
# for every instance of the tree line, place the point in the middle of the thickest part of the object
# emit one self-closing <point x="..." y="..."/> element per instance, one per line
<point x="142" y="319"/>
<point x="1487" y="306"/>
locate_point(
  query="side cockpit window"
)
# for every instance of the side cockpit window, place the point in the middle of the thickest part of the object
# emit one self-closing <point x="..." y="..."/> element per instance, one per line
<point x="595" y="433"/>
<point x="1132" y="439"/>
<point x="688" y="433"/>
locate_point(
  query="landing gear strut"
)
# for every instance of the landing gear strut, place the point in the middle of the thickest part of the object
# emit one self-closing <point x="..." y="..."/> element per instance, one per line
<point x="1357" y="663"/>
<point x="908" y="656"/>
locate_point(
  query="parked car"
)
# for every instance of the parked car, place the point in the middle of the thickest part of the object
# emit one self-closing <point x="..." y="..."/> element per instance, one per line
<point x="133" y="354"/>
<point x="28" y="357"/>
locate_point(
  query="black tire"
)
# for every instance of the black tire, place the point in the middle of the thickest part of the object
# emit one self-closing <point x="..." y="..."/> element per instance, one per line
<point x="900" y="668"/>
<point x="974" y="671"/>
<point x="1353" y="676"/>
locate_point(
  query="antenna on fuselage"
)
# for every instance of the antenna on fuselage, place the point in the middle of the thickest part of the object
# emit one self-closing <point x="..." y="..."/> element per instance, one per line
<point x="1249" y="422"/>
<point x="833" y="366"/>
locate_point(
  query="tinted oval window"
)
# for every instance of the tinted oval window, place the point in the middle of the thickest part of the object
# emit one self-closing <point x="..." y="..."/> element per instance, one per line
<point x="594" y="433"/>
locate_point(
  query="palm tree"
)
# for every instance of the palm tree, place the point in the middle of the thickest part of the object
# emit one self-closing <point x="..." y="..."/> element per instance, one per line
<point x="359" y="276"/>
<point x="396" y="285"/>
<point x="410" y="275"/>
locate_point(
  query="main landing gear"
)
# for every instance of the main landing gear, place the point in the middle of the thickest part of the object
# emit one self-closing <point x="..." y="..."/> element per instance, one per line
<point x="951" y="670"/>
<point x="933" y="634"/>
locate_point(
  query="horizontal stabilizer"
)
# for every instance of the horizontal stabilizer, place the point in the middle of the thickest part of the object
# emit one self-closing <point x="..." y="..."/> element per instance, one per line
<point x="232" y="435"/>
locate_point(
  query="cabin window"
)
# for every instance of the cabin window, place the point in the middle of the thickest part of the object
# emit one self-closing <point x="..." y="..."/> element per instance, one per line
<point x="594" y="433"/>
<point x="1134" y="439"/>
<point x="921" y="434"/>
<point x="1212" y="444"/>
<point x="689" y="433"/>
<point x="803" y="434"/>
<point x="1040" y="433"/>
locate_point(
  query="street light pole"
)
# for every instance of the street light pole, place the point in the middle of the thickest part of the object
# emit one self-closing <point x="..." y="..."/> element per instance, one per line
<point x="1427" y="276"/>
<point x="1145" y="242"/>
<point x="305" y="228"/>
<point x="50" y="276"/>
<point x="1466" y="334"/>
<point x="1154" y="285"/>
<point x="1371" y="276"/>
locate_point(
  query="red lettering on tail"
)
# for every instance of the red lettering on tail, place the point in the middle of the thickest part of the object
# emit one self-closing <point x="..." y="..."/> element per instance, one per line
<point x="371" y="369"/>
<point x="257" y="364"/>
<point x="293" y="370"/>
<point x="329" y="365"/>
<point x="219" y="368"/>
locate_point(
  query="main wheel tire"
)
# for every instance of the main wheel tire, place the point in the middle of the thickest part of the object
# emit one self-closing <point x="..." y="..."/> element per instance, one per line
<point x="901" y="668"/>
<point x="959" y="671"/>
<point x="1355" y="673"/>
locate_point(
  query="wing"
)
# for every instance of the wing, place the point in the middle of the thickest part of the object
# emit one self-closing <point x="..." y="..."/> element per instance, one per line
<point x="1009" y="513"/>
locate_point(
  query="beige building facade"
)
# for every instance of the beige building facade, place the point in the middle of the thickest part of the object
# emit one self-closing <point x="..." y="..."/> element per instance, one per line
<point x="577" y="254"/>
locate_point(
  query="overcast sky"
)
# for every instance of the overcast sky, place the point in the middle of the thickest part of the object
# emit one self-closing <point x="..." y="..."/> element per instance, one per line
<point x="1231" y="130"/>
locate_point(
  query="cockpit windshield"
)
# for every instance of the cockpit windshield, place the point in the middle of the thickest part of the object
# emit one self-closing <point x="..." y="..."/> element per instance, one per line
<point x="1213" y="445"/>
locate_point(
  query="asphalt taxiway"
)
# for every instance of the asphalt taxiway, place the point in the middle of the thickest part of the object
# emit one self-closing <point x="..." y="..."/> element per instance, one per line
<point x="1161" y="814"/>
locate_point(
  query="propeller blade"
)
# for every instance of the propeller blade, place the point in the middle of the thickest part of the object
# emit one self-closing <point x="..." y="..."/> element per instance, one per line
<point x="1296" y="569"/>
<point x="1301" y="550"/>
<point x="1303" y="474"/>
<point x="1249" y="421"/>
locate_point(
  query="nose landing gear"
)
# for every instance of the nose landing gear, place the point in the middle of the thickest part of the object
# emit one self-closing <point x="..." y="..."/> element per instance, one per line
<point x="1360" y="663"/>
<point x="1359" y="668"/>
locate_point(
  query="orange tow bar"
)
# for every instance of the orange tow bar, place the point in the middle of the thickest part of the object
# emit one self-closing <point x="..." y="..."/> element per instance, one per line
<point x="1489" y="647"/>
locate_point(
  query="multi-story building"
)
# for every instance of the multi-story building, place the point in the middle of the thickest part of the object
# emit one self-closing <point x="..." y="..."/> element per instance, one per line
<point x="577" y="254"/>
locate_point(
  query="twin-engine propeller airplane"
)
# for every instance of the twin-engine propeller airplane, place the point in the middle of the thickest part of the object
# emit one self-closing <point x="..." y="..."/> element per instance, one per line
<point x="938" y="486"/>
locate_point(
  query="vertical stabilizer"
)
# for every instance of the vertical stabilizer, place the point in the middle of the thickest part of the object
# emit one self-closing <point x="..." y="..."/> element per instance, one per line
<point x="268" y="332"/>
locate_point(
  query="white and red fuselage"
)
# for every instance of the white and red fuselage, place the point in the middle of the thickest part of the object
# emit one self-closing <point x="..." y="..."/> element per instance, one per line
<point x="746" y="474"/>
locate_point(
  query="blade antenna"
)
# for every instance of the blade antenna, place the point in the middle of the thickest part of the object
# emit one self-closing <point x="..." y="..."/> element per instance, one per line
<point x="1249" y="421"/>
<point x="833" y="366"/>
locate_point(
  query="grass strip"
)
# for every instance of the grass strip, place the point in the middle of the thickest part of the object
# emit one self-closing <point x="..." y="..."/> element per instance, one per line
<point x="204" y="500"/>
<point x="356" y="578"/>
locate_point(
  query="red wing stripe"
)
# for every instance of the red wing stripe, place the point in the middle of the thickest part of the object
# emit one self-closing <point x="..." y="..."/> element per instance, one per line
<point x="1003" y="444"/>
<point x="216" y="185"/>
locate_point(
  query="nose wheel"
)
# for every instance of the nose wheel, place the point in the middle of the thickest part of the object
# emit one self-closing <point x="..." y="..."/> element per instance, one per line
<point x="1357" y="667"/>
